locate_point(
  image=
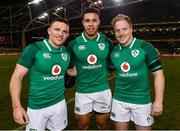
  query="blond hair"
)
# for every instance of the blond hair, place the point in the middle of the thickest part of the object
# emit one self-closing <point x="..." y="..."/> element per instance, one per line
<point x="120" y="17"/>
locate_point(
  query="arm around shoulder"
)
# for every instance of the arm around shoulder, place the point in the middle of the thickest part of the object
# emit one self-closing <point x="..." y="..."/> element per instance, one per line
<point x="72" y="71"/>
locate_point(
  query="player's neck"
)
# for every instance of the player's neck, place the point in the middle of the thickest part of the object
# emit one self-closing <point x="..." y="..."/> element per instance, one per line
<point x="91" y="37"/>
<point x="53" y="44"/>
<point x="128" y="43"/>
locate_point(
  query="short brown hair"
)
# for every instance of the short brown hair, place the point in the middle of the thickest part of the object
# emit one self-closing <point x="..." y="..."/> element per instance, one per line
<point x="121" y="17"/>
<point x="60" y="19"/>
<point x="91" y="10"/>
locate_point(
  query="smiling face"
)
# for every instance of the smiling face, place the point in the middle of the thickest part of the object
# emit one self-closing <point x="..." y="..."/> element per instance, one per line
<point x="58" y="33"/>
<point x="123" y="32"/>
<point x="91" y="24"/>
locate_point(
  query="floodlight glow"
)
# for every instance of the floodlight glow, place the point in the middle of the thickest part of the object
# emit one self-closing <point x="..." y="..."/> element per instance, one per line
<point x="57" y="9"/>
<point x="35" y="2"/>
<point x="117" y="1"/>
<point x="61" y="8"/>
<point x="174" y="28"/>
<point x="95" y="3"/>
<point x="153" y="30"/>
<point x="45" y="14"/>
<point x="99" y="2"/>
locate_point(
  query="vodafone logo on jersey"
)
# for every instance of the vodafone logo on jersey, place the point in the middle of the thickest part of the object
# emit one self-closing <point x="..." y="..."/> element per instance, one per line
<point x="125" y="67"/>
<point x="56" y="70"/>
<point x="92" y="59"/>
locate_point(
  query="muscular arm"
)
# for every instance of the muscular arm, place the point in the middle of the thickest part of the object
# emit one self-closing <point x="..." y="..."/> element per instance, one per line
<point x="159" y="83"/>
<point x="19" y="113"/>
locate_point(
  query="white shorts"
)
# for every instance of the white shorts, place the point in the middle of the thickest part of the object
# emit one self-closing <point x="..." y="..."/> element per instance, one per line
<point x="87" y="102"/>
<point x="138" y="113"/>
<point x="53" y="117"/>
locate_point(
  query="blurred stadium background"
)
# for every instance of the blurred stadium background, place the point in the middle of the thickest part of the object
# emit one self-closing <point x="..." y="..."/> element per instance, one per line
<point x="156" y="21"/>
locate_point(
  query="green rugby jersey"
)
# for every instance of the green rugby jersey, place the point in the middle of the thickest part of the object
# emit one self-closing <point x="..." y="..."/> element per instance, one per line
<point x="47" y="66"/>
<point x="90" y="58"/>
<point x="132" y="65"/>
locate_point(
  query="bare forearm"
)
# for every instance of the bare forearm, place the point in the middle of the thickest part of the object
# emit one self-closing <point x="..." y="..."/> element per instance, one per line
<point x="15" y="91"/>
<point x="159" y="83"/>
<point x="19" y="114"/>
<point x="15" y="84"/>
<point x="157" y="106"/>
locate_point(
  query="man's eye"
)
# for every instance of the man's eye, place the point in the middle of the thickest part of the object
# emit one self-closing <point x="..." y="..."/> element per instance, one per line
<point x="65" y="32"/>
<point x="87" y="20"/>
<point x="57" y="29"/>
<point x="94" y="20"/>
<point x="117" y="30"/>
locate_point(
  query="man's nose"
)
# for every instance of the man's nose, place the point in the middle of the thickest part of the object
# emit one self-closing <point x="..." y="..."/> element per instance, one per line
<point x="91" y="23"/>
<point x="121" y="32"/>
<point x="60" y="33"/>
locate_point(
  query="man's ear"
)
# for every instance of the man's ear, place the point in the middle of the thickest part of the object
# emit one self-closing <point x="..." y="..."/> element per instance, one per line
<point x="131" y="29"/>
<point x="67" y="35"/>
<point x="99" y="21"/>
<point x="48" y="30"/>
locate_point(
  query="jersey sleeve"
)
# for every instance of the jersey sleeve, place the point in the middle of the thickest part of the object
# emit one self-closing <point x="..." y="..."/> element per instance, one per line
<point x="152" y="57"/>
<point x="70" y="50"/>
<point x="27" y="56"/>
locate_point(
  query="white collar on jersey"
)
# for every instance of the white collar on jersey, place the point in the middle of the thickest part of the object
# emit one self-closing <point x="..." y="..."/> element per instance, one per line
<point x="49" y="48"/>
<point x="132" y="43"/>
<point x="97" y="39"/>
